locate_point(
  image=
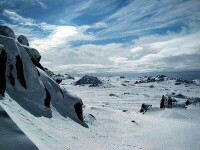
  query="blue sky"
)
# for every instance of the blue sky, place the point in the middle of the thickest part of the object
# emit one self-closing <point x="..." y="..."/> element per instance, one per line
<point x="98" y="36"/>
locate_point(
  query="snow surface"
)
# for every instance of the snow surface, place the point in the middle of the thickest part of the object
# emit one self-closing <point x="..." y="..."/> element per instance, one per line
<point x="114" y="121"/>
<point x="11" y="136"/>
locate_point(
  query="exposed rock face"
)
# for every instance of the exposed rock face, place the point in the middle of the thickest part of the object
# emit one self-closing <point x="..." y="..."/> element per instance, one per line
<point x="6" y="31"/>
<point x="90" y="80"/>
<point x="23" y="40"/>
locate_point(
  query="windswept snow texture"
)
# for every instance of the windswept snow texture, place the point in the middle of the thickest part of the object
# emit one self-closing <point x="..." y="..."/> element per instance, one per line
<point x="115" y="121"/>
<point x="12" y="138"/>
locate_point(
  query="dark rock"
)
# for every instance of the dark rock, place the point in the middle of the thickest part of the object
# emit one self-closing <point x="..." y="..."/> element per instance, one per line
<point x="126" y="93"/>
<point x="169" y="101"/>
<point x="163" y="102"/>
<point x="23" y="40"/>
<point x="93" y="81"/>
<point x="150" y="79"/>
<point x="144" y="108"/>
<point x="124" y="110"/>
<point x="133" y="121"/>
<point x="6" y="31"/>
<point x="151" y="86"/>
<point x="122" y="77"/>
<point x="173" y="93"/>
<point x="136" y="82"/>
<point x="161" y="76"/>
<point x="188" y="102"/>
<point x="177" y="83"/>
<point x="112" y="94"/>
<point x="58" y="81"/>
<point x="124" y="84"/>
<point x="179" y="80"/>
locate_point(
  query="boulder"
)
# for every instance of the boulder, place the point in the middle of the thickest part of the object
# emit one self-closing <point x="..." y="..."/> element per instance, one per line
<point x="163" y="102"/>
<point x="188" y="102"/>
<point x="23" y="40"/>
<point x="90" y="80"/>
<point x="69" y="76"/>
<point x="144" y="108"/>
<point x="6" y="31"/>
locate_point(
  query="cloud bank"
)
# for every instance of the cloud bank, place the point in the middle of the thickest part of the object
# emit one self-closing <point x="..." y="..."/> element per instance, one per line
<point x="128" y="36"/>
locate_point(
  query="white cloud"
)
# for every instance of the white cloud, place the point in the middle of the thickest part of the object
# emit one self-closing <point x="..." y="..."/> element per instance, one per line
<point x="140" y="18"/>
<point x="41" y="4"/>
<point x="136" y="49"/>
<point x="25" y="2"/>
<point x="178" y="50"/>
<point x="56" y="40"/>
<point x="19" y="19"/>
<point x="59" y="38"/>
<point x="78" y="68"/>
<point x="118" y="59"/>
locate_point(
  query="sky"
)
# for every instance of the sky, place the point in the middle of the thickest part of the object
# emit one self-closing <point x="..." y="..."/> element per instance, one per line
<point x="109" y="36"/>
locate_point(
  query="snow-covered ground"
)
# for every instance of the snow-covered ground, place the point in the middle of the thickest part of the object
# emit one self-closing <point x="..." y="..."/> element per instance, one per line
<point x="11" y="135"/>
<point x="115" y="122"/>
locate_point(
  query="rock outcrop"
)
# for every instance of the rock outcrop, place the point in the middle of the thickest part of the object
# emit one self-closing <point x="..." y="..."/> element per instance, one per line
<point x="150" y="79"/>
<point x="23" y="40"/>
<point x="6" y="31"/>
<point x="89" y="80"/>
<point x="24" y="79"/>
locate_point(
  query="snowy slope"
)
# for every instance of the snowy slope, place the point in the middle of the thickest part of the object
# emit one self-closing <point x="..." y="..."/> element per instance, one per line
<point x="11" y="135"/>
<point x="112" y="128"/>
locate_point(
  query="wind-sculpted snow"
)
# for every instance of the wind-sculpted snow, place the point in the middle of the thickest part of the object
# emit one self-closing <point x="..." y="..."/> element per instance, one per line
<point x="26" y="82"/>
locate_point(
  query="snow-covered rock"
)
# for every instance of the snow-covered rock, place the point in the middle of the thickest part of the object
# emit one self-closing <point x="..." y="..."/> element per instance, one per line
<point x="90" y="80"/>
<point x="23" y="40"/>
<point x="69" y="76"/>
<point x="6" y="31"/>
<point x="30" y="86"/>
<point x="158" y="78"/>
<point x="182" y="81"/>
<point x="49" y="72"/>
